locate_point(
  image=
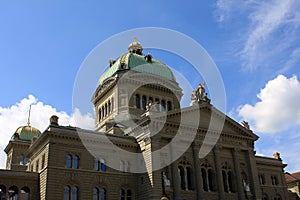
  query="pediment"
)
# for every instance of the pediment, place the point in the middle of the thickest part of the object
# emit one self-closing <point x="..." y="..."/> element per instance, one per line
<point x="200" y="116"/>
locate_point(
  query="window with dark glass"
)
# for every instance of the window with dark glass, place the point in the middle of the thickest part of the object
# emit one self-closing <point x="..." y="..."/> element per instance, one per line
<point x="181" y="177"/>
<point x="67" y="193"/>
<point x="96" y="165"/>
<point x="137" y="101"/>
<point x="169" y="105"/>
<point x="122" y="194"/>
<point x="128" y="195"/>
<point x="163" y="105"/>
<point x="210" y="180"/>
<point x="95" y="193"/>
<point x="102" y="165"/>
<point x="100" y="114"/>
<point x="75" y="193"/>
<point x="225" y="183"/>
<point x="144" y="102"/>
<point x="76" y="161"/>
<point x="43" y="161"/>
<point x="204" y="179"/>
<point x="103" y="194"/>
<point x="37" y="166"/>
<point x="22" y="159"/>
<point x="106" y="109"/>
<point x="189" y="178"/>
<point x="112" y="104"/>
<point x="109" y="107"/>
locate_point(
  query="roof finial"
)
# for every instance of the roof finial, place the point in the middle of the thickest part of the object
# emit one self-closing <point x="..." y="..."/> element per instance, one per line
<point x="28" y="122"/>
<point x="134" y="38"/>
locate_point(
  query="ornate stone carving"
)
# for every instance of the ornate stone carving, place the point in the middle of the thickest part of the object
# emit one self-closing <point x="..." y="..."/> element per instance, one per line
<point x="198" y="95"/>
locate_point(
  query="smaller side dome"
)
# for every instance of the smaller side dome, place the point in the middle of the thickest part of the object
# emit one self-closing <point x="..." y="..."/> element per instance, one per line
<point x="26" y="133"/>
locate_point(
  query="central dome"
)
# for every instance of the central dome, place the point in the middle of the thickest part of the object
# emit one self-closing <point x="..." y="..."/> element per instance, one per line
<point x="134" y="60"/>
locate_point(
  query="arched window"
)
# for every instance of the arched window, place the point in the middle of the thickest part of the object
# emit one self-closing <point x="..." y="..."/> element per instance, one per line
<point x="109" y="107"/>
<point x="261" y="178"/>
<point x="122" y="194"/>
<point x="102" y="165"/>
<point x="43" y="161"/>
<point x="100" y="114"/>
<point x="231" y="181"/>
<point x="22" y="159"/>
<point x="37" y="166"/>
<point x="128" y="195"/>
<point x="13" y="193"/>
<point x="76" y="161"/>
<point x="163" y="105"/>
<point x="69" y="161"/>
<point x="210" y="175"/>
<point x="103" y="112"/>
<point x="207" y="177"/>
<point x="67" y="193"/>
<point x="96" y="164"/>
<point x="181" y="177"/>
<point x="144" y="102"/>
<point x="137" y="101"/>
<point x="169" y="105"/>
<point x="2" y="192"/>
<point x="274" y="180"/>
<point x="112" y="104"/>
<point x="151" y="99"/>
<point x="25" y="193"/>
<point x="106" y="109"/>
<point x="103" y="194"/>
<point x="95" y="193"/>
<point x="189" y="178"/>
<point x="75" y="193"/>
<point x="204" y="179"/>
<point x="225" y="183"/>
<point x="228" y="178"/>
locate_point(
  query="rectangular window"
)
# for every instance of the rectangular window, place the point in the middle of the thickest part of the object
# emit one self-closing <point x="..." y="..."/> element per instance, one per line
<point x="37" y="166"/>
<point x="43" y="161"/>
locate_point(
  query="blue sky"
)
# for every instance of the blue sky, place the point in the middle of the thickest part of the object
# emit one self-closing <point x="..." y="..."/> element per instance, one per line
<point x="255" y="45"/>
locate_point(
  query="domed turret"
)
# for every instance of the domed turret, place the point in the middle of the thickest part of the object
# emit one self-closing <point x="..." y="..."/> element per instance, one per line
<point x="26" y="133"/>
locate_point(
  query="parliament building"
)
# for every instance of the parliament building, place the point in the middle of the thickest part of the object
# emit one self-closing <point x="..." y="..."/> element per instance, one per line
<point x="144" y="146"/>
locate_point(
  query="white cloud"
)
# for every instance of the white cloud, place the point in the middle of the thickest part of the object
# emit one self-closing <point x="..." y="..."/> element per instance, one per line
<point x="278" y="108"/>
<point x="272" y="28"/>
<point x="13" y="117"/>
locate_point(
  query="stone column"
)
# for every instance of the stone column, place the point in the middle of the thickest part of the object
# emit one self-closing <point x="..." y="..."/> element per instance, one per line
<point x="236" y="161"/>
<point x="218" y="172"/>
<point x="175" y="178"/>
<point x="199" y="182"/>
<point x="253" y="175"/>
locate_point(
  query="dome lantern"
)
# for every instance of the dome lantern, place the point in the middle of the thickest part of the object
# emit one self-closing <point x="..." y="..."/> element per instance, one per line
<point x="135" y="47"/>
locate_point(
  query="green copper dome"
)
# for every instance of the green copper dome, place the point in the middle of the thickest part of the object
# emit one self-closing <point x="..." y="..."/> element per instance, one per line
<point x="134" y="60"/>
<point x="26" y="133"/>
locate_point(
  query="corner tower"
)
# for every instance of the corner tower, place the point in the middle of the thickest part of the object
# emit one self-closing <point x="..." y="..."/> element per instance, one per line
<point x="132" y="84"/>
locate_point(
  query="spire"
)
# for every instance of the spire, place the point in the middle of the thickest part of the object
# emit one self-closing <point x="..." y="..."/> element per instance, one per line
<point x="28" y="122"/>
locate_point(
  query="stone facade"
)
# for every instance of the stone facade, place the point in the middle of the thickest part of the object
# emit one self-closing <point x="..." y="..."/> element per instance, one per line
<point x="141" y="115"/>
